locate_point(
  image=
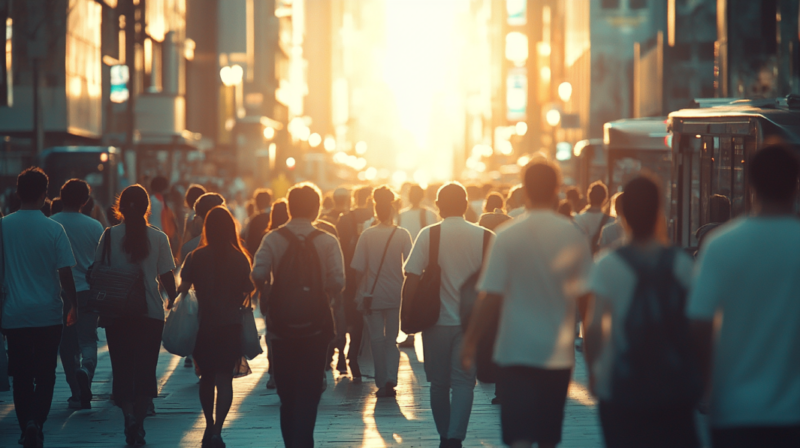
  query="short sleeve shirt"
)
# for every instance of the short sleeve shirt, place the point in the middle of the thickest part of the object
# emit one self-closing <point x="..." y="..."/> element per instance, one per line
<point x="539" y="264"/>
<point x="412" y="220"/>
<point x="84" y="233"/>
<point x="367" y="259"/>
<point x="35" y="248"/>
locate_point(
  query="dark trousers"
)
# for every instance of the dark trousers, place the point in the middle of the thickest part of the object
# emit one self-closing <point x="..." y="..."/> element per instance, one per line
<point x="299" y="367"/>
<point x="355" y="323"/>
<point x="33" y="356"/>
<point x="631" y="427"/>
<point x="760" y="436"/>
<point x="79" y="344"/>
<point x="133" y="346"/>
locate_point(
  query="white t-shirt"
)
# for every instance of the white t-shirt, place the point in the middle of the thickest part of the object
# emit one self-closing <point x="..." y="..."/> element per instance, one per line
<point x="411" y="220"/>
<point x="516" y="212"/>
<point x="84" y="233"/>
<point x="460" y="256"/>
<point x="367" y="257"/>
<point x="589" y="222"/>
<point x="749" y="271"/>
<point x="159" y="261"/>
<point x="539" y="264"/>
<point x="612" y="235"/>
<point x="613" y="281"/>
<point x="155" y="212"/>
<point x="35" y="248"/>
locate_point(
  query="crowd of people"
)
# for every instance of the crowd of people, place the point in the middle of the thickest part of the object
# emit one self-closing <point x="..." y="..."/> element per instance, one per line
<point x="663" y="335"/>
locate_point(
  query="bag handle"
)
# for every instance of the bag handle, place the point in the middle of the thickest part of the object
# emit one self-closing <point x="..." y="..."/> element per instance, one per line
<point x="380" y="266"/>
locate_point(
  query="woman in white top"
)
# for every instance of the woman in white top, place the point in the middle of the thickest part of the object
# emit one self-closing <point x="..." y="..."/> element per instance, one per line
<point x="135" y="341"/>
<point x="378" y="259"/>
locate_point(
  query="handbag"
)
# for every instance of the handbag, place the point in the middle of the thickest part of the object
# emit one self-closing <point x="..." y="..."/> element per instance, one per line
<point x="180" y="330"/>
<point x="421" y="311"/>
<point x="251" y="341"/>
<point x="367" y="300"/>
<point x="115" y="291"/>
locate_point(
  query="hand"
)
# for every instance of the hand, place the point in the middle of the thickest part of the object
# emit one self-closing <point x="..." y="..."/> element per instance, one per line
<point x="468" y="355"/>
<point x="72" y="316"/>
<point x="170" y="303"/>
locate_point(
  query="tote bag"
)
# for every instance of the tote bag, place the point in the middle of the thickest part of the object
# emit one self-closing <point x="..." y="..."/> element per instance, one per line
<point x="180" y="330"/>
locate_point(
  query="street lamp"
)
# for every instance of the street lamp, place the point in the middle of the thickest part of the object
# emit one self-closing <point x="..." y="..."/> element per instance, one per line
<point x="565" y="91"/>
<point x="231" y="75"/>
<point x="553" y="117"/>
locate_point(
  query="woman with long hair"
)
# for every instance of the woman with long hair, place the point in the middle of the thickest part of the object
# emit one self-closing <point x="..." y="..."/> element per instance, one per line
<point x="279" y="215"/>
<point x="219" y="270"/>
<point x="378" y="260"/>
<point x="134" y="341"/>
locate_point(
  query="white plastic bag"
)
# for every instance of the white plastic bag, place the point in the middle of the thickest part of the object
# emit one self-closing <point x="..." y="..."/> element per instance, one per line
<point x="180" y="331"/>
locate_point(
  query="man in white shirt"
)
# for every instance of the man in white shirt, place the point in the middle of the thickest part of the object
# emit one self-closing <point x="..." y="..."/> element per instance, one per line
<point x="747" y="274"/>
<point x="460" y="256"/>
<point x="38" y="261"/>
<point x="533" y="279"/>
<point x="515" y="204"/>
<point x="79" y="342"/>
<point x="613" y="234"/>
<point x="592" y="220"/>
<point x="416" y="217"/>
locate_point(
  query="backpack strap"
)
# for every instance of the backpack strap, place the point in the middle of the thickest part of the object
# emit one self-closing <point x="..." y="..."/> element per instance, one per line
<point x="383" y="257"/>
<point x="433" y="250"/>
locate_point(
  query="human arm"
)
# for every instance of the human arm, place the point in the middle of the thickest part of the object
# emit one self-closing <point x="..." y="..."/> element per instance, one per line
<point x="262" y="263"/>
<point x="68" y="288"/>
<point x="334" y="272"/>
<point x="485" y="314"/>
<point x="168" y="283"/>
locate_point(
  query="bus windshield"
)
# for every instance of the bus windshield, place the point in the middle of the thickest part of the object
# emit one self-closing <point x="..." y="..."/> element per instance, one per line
<point x="627" y="164"/>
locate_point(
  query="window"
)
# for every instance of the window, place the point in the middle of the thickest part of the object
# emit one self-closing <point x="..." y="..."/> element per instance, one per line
<point x="637" y="4"/>
<point x="609" y="4"/>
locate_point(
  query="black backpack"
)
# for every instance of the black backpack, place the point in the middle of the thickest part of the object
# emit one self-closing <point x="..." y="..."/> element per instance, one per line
<point x="658" y="367"/>
<point x="421" y="311"/>
<point x="298" y="305"/>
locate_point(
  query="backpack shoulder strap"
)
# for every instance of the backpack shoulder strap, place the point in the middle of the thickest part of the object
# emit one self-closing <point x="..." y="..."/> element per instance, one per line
<point x="315" y="233"/>
<point x="287" y="234"/>
<point x="433" y="250"/>
<point x="106" y="255"/>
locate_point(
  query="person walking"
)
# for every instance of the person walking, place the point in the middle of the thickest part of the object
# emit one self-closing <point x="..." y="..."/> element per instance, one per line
<point x="642" y="365"/>
<point x="202" y="206"/>
<point x="38" y="263"/>
<point x="460" y="256"/>
<point x="747" y="273"/>
<point x="135" y="341"/>
<point x="191" y="228"/>
<point x="307" y="268"/>
<point x="533" y="279"/>
<point x="278" y="216"/>
<point x="219" y="271"/>
<point x="79" y="342"/>
<point x="341" y="205"/>
<point x="592" y="219"/>
<point x="515" y="203"/>
<point x="613" y="234"/>
<point x="378" y="260"/>
<point x="493" y="214"/>
<point x="416" y="217"/>
<point x="258" y="224"/>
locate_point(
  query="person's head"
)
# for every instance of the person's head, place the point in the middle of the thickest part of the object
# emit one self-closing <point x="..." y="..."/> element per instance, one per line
<point x="383" y="197"/>
<point x="641" y="204"/>
<point x="304" y="199"/>
<point x="486" y="189"/>
<point x="279" y="215"/>
<point x="327" y="202"/>
<point x="74" y="194"/>
<point x="362" y="196"/>
<point x="342" y="199"/>
<point x="133" y="208"/>
<point x="616" y="203"/>
<point x="415" y="195"/>
<point x="573" y="195"/>
<point x="542" y="180"/>
<point x="219" y="231"/>
<point x="206" y="202"/>
<point x="516" y="197"/>
<point x="192" y="193"/>
<point x="32" y="187"/>
<point x="452" y="200"/>
<point x="46" y="207"/>
<point x="565" y="208"/>
<point x="262" y="198"/>
<point x="719" y="208"/>
<point x="56" y="206"/>
<point x="773" y="175"/>
<point x="493" y="202"/>
<point x="597" y="194"/>
<point x="159" y="184"/>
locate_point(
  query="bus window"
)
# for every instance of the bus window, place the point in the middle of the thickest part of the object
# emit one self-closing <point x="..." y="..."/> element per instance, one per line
<point x="738" y="205"/>
<point x="721" y="172"/>
<point x="692" y="149"/>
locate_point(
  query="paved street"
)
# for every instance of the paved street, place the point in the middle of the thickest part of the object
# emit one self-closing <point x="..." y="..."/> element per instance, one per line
<point x="349" y="415"/>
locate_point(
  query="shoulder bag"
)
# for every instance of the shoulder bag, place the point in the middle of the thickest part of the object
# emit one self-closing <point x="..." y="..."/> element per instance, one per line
<point x="468" y="293"/>
<point x="367" y="300"/>
<point x="251" y="341"/>
<point x="115" y="291"/>
<point x="421" y="311"/>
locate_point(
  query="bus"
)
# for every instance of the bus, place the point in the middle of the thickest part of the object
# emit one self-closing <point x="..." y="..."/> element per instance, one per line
<point x="589" y="163"/>
<point x="711" y="147"/>
<point x="99" y="166"/>
<point x="634" y="145"/>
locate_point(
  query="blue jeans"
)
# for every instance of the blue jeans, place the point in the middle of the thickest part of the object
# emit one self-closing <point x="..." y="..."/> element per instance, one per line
<point x="383" y="328"/>
<point x="79" y="344"/>
<point x="442" y="350"/>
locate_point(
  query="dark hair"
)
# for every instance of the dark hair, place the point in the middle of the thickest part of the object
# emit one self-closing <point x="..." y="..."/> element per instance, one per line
<point x="159" y="184"/>
<point x="220" y="233"/>
<point x="383" y="197"/>
<point x="597" y="193"/>
<point x="565" y="208"/>
<point x="88" y="207"/>
<point x="206" y="202"/>
<point x="516" y="197"/>
<point x="279" y="214"/>
<point x="493" y="201"/>
<point x="327" y="202"/>
<point x="192" y="193"/>
<point x="362" y="195"/>
<point x="719" y="209"/>
<point x="46" y="207"/>
<point x="541" y="181"/>
<point x="773" y="173"/>
<point x="641" y="200"/>
<point x="262" y="198"/>
<point x="415" y="195"/>
<point x="341" y="197"/>
<point x="452" y="200"/>
<point x="56" y="206"/>
<point x="133" y="209"/>
<point x="75" y="193"/>
<point x="304" y="199"/>
<point x="573" y="194"/>
<point x="31" y="184"/>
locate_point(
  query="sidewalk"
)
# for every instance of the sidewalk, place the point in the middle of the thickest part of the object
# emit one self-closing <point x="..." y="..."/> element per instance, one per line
<point x="349" y="414"/>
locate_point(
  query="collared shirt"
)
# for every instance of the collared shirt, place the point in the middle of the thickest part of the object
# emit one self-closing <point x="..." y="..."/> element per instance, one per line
<point x="460" y="256"/>
<point x="274" y="245"/>
<point x="538" y="263"/>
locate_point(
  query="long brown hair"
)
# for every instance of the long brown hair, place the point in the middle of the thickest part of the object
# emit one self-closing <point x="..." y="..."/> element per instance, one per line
<point x="133" y="208"/>
<point x="220" y="232"/>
